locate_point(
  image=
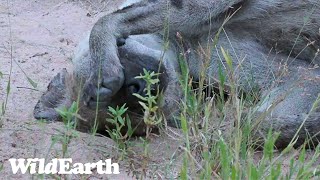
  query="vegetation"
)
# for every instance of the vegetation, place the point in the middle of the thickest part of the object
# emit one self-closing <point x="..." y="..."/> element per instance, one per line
<point x="119" y="122"/>
<point x="211" y="150"/>
<point x="149" y="102"/>
<point x="219" y="132"/>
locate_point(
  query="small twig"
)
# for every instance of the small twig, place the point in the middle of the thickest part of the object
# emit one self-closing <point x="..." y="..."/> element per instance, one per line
<point x="39" y="54"/>
<point x="19" y="87"/>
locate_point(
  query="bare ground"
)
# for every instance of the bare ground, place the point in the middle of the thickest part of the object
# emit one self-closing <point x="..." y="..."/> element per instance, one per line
<point x="43" y="35"/>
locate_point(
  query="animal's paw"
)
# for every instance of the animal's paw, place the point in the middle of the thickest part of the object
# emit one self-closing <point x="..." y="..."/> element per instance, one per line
<point x="99" y="89"/>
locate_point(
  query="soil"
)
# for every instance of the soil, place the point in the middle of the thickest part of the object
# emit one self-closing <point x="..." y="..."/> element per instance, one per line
<point x="37" y="40"/>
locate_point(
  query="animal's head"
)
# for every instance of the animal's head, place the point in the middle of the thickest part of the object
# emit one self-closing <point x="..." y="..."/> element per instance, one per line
<point x="65" y="88"/>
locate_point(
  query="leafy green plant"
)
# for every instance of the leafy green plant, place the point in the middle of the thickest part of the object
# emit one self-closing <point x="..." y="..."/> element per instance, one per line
<point x="65" y="136"/>
<point x="149" y="102"/>
<point x="120" y="122"/>
<point x="69" y="125"/>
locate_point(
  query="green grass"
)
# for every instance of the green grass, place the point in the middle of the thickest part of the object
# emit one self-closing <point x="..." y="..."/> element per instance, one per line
<point x="231" y="152"/>
<point x="223" y="153"/>
<point x="9" y="50"/>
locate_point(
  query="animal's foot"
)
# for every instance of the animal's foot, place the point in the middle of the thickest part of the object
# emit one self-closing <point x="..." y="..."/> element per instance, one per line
<point x="99" y="89"/>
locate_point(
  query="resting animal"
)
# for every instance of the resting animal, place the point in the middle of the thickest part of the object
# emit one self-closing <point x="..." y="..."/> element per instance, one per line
<point x="263" y="37"/>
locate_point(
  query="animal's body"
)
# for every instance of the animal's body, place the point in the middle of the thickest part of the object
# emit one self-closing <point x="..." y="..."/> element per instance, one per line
<point x="263" y="37"/>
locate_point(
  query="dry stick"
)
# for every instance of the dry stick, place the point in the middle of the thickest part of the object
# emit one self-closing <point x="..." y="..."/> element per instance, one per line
<point x="33" y="89"/>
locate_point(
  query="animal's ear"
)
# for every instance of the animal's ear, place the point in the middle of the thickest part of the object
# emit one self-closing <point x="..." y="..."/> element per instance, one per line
<point x="54" y="97"/>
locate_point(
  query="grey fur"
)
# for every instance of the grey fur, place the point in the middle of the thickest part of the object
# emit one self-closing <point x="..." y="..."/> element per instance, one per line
<point x="262" y="36"/>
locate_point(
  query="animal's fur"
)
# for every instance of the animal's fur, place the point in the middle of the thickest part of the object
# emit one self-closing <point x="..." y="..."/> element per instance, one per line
<point x="262" y="37"/>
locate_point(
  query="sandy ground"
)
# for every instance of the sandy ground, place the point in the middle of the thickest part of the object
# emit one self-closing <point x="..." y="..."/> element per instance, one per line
<point x="43" y="36"/>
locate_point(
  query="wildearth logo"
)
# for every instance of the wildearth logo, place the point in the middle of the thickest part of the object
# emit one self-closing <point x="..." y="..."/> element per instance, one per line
<point x="62" y="166"/>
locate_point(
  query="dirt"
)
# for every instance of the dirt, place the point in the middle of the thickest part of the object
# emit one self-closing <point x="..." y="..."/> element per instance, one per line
<point x="41" y="36"/>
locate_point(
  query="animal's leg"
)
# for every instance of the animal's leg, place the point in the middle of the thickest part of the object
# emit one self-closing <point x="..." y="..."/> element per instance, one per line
<point x="299" y="87"/>
<point x="146" y="17"/>
<point x="81" y="72"/>
<point x="292" y="102"/>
